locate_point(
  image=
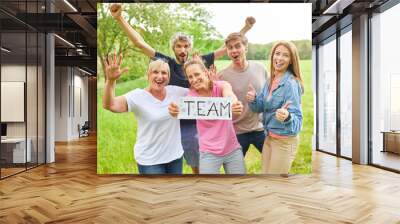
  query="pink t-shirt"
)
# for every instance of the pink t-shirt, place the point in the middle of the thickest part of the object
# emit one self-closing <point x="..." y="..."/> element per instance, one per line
<point x="216" y="136"/>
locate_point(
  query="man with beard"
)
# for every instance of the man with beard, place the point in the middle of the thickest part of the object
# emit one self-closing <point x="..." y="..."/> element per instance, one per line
<point x="244" y="75"/>
<point x="181" y="45"/>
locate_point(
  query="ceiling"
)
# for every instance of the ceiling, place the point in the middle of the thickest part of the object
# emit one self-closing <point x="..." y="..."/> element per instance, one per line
<point x="74" y="22"/>
<point x="328" y="16"/>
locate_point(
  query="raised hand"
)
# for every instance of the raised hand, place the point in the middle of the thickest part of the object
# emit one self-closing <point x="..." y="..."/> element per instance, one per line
<point x="237" y="108"/>
<point x="251" y="93"/>
<point x="196" y="56"/>
<point x="213" y="73"/>
<point x="173" y="109"/>
<point x="112" y="66"/>
<point x="282" y="113"/>
<point x="250" y="21"/>
<point x="116" y="10"/>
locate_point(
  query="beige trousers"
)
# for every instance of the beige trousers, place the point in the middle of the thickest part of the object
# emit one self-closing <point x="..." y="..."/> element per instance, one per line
<point x="278" y="154"/>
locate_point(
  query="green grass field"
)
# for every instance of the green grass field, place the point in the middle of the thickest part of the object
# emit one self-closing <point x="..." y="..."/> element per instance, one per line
<point x="116" y="133"/>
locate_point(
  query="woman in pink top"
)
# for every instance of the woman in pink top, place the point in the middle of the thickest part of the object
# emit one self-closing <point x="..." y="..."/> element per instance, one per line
<point x="217" y="138"/>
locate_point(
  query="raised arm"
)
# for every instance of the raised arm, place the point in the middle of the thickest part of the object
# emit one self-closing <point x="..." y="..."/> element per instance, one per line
<point x="133" y="35"/>
<point x="248" y="25"/>
<point x="112" y="73"/>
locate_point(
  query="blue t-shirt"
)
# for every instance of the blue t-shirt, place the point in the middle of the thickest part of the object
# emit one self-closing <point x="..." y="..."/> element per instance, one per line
<point x="178" y="78"/>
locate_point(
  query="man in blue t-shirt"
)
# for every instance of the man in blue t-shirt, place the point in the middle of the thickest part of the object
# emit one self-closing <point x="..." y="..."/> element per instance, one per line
<point x="181" y="45"/>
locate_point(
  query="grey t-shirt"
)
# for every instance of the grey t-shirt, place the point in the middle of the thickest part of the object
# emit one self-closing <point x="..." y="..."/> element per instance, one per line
<point x="256" y="75"/>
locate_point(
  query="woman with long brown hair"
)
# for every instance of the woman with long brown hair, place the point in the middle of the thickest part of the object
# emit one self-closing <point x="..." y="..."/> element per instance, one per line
<point x="280" y="103"/>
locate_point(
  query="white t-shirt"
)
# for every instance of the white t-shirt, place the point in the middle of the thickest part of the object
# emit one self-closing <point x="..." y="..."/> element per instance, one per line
<point x="158" y="138"/>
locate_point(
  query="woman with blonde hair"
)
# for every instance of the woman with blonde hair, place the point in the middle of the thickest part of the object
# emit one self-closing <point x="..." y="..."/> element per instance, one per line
<point x="158" y="148"/>
<point x="280" y="103"/>
<point x="218" y="144"/>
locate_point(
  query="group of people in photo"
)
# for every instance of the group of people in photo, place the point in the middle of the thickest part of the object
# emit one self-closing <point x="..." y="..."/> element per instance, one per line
<point x="266" y="107"/>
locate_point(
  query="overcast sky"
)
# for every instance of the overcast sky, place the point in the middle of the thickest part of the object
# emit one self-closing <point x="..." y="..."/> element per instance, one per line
<point x="275" y="21"/>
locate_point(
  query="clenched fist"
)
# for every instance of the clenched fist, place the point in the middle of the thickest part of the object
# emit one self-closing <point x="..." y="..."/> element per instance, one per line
<point x="237" y="108"/>
<point x="116" y="10"/>
<point x="250" y="21"/>
<point x="173" y="109"/>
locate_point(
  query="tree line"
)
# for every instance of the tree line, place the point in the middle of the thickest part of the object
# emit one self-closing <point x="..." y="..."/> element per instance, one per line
<point x="262" y="51"/>
<point x="157" y="29"/>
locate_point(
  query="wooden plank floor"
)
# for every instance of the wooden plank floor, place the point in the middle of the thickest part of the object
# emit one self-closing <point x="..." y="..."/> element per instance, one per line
<point x="70" y="191"/>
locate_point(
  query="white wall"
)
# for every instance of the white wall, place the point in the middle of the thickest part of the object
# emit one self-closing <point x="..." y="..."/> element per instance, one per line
<point x="33" y="126"/>
<point x="61" y="103"/>
<point x="71" y="87"/>
<point x="80" y="110"/>
<point x="14" y="73"/>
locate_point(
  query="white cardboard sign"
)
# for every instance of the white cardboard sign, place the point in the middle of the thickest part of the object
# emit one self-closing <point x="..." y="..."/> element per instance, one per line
<point x="205" y="108"/>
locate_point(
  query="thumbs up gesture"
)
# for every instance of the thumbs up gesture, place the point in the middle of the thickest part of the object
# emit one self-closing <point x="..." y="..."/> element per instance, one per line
<point x="282" y="113"/>
<point x="251" y="93"/>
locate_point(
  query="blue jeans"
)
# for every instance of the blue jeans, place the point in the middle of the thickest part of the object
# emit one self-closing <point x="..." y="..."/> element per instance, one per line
<point x="255" y="137"/>
<point x="190" y="144"/>
<point x="173" y="167"/>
